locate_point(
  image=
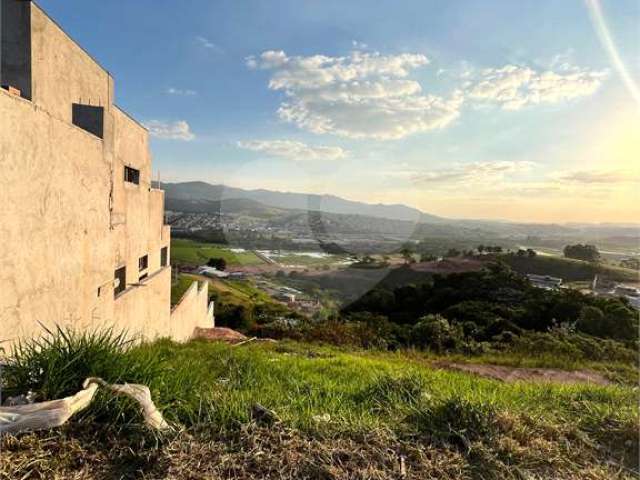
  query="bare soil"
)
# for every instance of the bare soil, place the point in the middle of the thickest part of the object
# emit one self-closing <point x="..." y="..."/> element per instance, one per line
<point x="515" y="374"/>
<point x="221" y="334"/>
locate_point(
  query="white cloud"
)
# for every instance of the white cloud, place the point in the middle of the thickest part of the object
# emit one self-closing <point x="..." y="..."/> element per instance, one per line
<point x="359" y="45"/>
<point x="513" y="87"/>
<point x="370" y="95"/>
<point x="595" y="177"/>
<point x="293" y="150"/>
<point x="178" y="130"/>
<point x="181" y="92"/>
<point x="209" y="45"/>
<point x="362" y="95"/>
<point x="476" y="172"/>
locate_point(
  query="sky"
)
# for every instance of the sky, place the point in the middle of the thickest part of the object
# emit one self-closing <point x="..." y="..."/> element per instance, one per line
<point x="526" y="111"/>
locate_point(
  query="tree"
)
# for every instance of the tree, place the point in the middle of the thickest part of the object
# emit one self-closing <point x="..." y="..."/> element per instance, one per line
<point x="614" y="320"/>
<point x="588" y="253"/>
<point x="407" y="253"/>
<point x="522" y="252"/>
<point x="531" y="252"/>
<point x="236" y="316"/>
<point x="427" y="257"/>
<point x="480" y="248"/>
<point x="435" y="332"/>
<point x="452" y="252"/>
<point x="218" y="263"/>
<point x="591" y="321"/>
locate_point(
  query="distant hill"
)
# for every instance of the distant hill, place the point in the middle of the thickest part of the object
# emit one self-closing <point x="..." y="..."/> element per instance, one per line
<point x="293" y="210"/>
<point x="295" y="201"/>
<point x="232" y="205"/>
<point x="568" y="269"/>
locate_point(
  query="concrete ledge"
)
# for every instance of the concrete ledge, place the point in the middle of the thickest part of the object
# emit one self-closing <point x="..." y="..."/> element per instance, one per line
<point x="191" y="312"/>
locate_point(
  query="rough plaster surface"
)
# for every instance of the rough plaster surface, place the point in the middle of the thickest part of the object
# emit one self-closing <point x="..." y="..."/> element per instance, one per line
<point x="68" y="219"/>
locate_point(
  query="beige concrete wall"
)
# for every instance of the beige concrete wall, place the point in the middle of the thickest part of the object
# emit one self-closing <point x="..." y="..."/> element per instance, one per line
<point x="68" y="218"/>
<point x="192" y="311"/>
<point x="62" y="72"/>
<point x="144" y="309"/>
<point x="54" y="192"/>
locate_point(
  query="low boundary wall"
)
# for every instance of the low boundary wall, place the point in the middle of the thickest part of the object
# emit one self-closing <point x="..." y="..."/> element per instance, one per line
<point x="191" y="312"/>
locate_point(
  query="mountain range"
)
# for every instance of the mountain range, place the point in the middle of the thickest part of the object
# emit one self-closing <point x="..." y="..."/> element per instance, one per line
<point x="295" y="201"/>
<point x="342" y="215"/>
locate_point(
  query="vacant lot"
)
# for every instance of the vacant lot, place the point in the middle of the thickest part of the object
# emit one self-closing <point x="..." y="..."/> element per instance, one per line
<point x="187" y="252"/>
<point x="338" y="414"/>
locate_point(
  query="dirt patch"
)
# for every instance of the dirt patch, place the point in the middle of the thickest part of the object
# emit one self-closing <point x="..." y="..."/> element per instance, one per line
<point x="513" y="374"/>
<point x="221" y="334"/>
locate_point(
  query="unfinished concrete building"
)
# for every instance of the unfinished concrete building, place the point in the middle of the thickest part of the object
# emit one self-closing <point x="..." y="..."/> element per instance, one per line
<point x="82" y="235"/>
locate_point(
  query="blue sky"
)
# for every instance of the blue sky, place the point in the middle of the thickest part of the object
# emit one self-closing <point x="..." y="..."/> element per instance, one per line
<point x="475" y="109"/>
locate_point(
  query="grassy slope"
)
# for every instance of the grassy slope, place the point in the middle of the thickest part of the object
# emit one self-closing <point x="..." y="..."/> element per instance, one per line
<point x="308" y="261"/>
<point x="299" y="381"/>
<point x="568" y="269"/>
<point x="337" y="403"/>
<point x="187" y="252"/>
<point x="238" y="292"/>
<point x="180" y="287"/>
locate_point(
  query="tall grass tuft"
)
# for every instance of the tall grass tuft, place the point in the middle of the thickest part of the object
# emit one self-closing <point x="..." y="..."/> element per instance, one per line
<point x="56" y="364"/>
<point x="456" y="421"/>
<point x="392" y="392"/>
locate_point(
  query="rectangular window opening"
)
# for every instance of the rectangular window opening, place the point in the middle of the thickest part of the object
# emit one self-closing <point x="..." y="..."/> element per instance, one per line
<point x="164" y="256"/>
<point x="143" y="263"/>
<point x="89" y="118"/>
<point x="131" y="175"/>
<point x="15" y="47"/>
<point x="119" y="280"/>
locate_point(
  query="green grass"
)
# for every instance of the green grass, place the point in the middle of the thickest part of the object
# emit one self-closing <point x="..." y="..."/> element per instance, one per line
<point x="238" y="292"/>
<point x="329" y="395"/>
<point x="308" y="261"/>
<point x="616" y="371"/>
<point x="246" y="289"/>
<point x="568" y="269"/>
<point x="180" y="287"/>
<point x="217" y="383"/>
<point x="188" y="252"/>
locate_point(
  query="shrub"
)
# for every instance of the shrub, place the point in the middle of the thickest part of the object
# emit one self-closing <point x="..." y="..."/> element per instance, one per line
<point x="236" y="316"/>
<point x="573" y="346"/>
<point x="218" y="263"/>
<point x="435" y="332"/>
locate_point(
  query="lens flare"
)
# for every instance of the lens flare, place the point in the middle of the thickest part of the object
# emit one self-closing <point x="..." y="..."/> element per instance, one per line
<point x="600" y="25"/>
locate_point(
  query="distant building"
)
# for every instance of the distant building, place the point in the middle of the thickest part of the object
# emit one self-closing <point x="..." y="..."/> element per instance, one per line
<point x="544" y="281"/>
<point x="626" y="291"/>
<point x="84" y="243"/>
<point x="212" y="272"/>
<point x="607" y="288"/>
<point x="286" y="297"/>
<point x="632" y="294"/>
